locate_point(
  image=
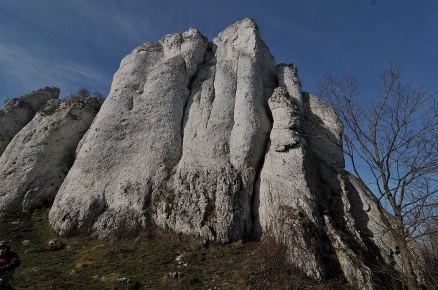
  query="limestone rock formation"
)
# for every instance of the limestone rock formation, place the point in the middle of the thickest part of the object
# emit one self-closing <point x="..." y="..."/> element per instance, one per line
<point x="226" y="127"/>
<point x="134" y="142"/>
<point x="205" y="138"/>
<point x="286" y="200"/>
<point x="185" y="147"/>
<point x="16" y="113"/>
<point x="37" y="160"/>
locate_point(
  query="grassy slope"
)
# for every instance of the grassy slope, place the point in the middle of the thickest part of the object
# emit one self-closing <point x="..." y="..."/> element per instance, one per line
<point x="146" y="261"/>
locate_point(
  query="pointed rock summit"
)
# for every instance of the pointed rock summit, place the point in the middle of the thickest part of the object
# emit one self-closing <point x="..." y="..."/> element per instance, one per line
<point x="211" y="139"/>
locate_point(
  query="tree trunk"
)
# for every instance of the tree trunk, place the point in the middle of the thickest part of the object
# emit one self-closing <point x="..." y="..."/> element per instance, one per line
<point x="406" y="258"/>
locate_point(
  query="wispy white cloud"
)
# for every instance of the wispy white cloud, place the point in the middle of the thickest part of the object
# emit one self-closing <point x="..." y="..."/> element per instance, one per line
<point x="118" y="19"/>
<point x="25" y="69"/>
<point x="68" y="43"/>
<point x="22" y="64"/>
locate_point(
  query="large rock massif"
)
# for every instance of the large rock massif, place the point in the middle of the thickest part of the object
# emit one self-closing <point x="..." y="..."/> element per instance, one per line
<point x="205" y="138"/>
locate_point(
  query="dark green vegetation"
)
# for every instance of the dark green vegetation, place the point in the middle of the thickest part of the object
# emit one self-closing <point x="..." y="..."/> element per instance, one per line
<point x="147" y="261"/>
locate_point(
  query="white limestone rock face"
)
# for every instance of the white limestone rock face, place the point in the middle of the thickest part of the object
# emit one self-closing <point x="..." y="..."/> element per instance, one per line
<point x="37" y="160"/>
<point x="226" y="127"/>
<point x="16" y="113"/>
<point x="180" y="136"/>
<point x="213" y="139"/>
<point x="287" y="204"/>
<point x="134" y="142"/>
<point x="294" y="192"/>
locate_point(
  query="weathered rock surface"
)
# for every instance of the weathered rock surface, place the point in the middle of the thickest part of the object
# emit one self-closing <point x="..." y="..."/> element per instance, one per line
<point x="134" y="142"/>
<point x="204" y="138"/>
<point x="37" y="160"/>
<point x="16" y="113"/>
<point x="324" y="131"/>
<point x="186" y="147"/>
<point x="286" y="200"/>
<point x="374" y="224"/>
<point x="226" y="127"/>
<point x="292" y="196"/>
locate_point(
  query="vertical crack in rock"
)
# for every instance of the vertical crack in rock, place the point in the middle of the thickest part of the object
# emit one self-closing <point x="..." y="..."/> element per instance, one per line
<point x="130" y="103"/>
<point x="225" y="131"/>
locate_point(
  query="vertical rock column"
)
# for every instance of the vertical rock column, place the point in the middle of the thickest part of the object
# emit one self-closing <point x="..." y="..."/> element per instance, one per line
<point x="226" y="127"/>
<point x="291" y="200"/>
<point x="288" y="79"/>
<point x="324" y="135"/>
<point x="287" y="206"/>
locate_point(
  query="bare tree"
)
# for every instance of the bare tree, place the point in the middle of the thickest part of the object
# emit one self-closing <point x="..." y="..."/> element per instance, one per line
<point x="395" y="135"/>
<point x="84" y="92"/>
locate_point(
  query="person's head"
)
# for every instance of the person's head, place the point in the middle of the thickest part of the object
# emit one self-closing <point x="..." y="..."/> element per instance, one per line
<point x="4" y="247"/>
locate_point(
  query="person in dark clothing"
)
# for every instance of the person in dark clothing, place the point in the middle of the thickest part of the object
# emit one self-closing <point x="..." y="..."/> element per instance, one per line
<point x="8" y="262"/>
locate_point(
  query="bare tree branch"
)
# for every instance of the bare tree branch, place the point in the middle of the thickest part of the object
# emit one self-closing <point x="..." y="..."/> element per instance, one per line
<point x="395" y="136"/>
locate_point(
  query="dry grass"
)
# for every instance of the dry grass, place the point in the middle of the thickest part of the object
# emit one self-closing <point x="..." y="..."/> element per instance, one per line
<point x="271" y="271"/>
<point x="147" y="260"/>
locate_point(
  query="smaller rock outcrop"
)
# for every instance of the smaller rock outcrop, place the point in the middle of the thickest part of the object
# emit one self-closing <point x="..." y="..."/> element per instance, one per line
<point x="39" y="157"/>
<point x="287" y="207"/>
<point x="301" y="196"/>
<point x="17" y="112"/>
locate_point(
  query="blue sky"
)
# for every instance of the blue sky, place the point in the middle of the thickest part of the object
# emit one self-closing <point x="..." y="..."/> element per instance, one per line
<point x="80" y="43"/>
